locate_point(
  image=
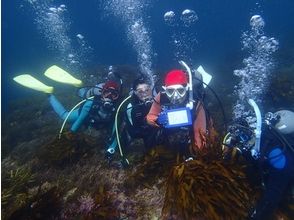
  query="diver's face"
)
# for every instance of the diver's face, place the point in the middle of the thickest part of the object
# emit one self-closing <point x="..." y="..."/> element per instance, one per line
<point x="176" y="93"/>
<point x="110" y="93"/>
<point x="143" y="92"/>
<point x="109" y="97"/>
<point x="176" y="99"/>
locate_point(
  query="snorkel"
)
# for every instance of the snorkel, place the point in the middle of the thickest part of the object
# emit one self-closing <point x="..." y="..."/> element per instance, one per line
<point x="256" y="149"/>
<point x="191" y="100"/>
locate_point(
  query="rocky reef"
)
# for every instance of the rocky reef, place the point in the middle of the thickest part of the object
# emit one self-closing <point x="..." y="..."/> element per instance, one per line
<point x="44" y="177"/>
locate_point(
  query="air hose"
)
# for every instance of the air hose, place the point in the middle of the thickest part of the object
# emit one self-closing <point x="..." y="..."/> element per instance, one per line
<point x="77" y="105"/>
<point x="116" y="128"/>
<point x="191" y="91"/>
<point x="115" y="121"/>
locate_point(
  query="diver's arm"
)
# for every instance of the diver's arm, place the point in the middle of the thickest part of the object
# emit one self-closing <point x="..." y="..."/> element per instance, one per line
<point x="82" y="116"/>
<point x="155" y="110"/>
<point x="199" y="126"/>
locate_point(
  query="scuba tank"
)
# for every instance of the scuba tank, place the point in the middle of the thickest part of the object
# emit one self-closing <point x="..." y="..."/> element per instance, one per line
<point x="283" y="121"/>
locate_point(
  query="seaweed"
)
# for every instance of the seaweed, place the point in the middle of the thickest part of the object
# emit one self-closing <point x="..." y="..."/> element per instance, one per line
<point x="99" y="205"/>
<point x="45" y="205"/>
<point x="15" y="185"/>
<point x="156" y="164"/>
<point x="22" y="199"/>
<point x="64" y="151"/>
<point x="105" y="208"/>
<point x="14" y="182"/>
<point x="207" y="188"/>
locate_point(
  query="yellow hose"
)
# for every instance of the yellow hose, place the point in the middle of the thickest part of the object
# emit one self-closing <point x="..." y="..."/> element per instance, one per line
<point x="115" y="121"/>
<point x="224" y="140"/>
<point x="116" y="129"/>
<point x="63" y="124"/>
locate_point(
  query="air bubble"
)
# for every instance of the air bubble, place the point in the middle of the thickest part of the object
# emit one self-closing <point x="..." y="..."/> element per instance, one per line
<point x="169" y="18"/>
<point x="258" y="66"/>
<point x="189" y="17"/>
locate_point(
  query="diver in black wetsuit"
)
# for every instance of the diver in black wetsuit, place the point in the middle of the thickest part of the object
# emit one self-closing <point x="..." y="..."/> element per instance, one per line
<point x="134" y="123"/>
<point x="275" y="159"/>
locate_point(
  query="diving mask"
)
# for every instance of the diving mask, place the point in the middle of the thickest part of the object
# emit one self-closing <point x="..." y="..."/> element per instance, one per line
<point x="110" y="93"/>
<point x="175" y="90"/>
<point x="176" y="93"/>
<point x="144" y="92"/>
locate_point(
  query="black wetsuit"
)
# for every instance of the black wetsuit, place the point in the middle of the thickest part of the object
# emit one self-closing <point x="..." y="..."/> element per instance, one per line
<point x="277" y="177"/>
<point x="136" y="124"/>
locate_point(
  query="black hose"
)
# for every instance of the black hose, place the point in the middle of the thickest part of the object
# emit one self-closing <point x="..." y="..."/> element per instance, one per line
<point x="220" y="103"/>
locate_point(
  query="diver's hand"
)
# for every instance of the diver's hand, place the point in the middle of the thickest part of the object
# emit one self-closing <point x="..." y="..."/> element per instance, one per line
<point x="153" y="123"/>
<point x="162" y="119"/>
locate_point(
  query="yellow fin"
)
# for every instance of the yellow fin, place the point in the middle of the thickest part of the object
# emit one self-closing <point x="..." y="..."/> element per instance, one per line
<point x="29" y="81"/>
<point x="57" y="74"/>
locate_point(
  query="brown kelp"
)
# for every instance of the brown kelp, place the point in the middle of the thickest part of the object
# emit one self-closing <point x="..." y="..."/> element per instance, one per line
<point x="207" y="188"/>
<point x="155" y="164"/>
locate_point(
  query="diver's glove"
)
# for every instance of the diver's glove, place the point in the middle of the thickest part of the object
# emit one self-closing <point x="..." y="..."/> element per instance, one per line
<point x="162" y="119"/>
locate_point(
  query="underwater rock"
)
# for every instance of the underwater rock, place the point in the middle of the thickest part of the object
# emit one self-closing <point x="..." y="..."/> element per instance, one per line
<point x="68" y="149"/>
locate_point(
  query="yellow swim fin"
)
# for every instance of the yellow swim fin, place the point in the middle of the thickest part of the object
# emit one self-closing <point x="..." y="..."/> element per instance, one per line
<point x="57" y="74"/>
<point x="31" y="82"/>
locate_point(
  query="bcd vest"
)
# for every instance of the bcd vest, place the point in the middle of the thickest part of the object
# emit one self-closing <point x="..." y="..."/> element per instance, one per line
<point x="101" y="113"/>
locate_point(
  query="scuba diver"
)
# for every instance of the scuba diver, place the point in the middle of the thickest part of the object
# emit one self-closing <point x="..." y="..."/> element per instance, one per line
<point x="180" y="112"/>
<point x="96" y="110"/>
<point x="270" y="149"/>
<point x="134" y="124"/>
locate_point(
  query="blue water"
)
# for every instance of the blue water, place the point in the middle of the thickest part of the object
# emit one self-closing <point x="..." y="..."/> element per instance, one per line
<point x="25" y="48"/>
